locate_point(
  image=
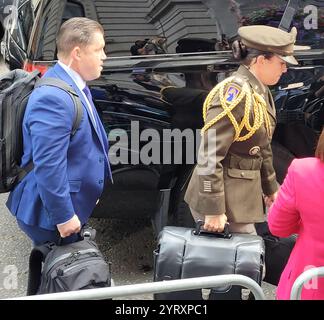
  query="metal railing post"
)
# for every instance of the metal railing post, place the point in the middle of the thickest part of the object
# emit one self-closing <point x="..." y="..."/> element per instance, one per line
<point x="307" y="275"/>
<point x="154" y="287"/>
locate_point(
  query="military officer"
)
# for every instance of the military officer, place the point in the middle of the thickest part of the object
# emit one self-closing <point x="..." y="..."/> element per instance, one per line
<point x="235" y="167"/>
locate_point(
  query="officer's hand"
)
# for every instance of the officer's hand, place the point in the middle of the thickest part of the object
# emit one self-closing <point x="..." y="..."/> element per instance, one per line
<point x="69" y="227"/>
<point x="215" y="223"/>
<point x="269" y="200"/>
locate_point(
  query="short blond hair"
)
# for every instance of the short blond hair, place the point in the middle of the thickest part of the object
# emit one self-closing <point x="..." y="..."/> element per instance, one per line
<point x="74" y="32"/>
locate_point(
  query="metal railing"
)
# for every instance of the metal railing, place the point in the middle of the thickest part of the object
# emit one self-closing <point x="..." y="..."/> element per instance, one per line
<point x="307" y="275"/>
<point x="154" y="287"/>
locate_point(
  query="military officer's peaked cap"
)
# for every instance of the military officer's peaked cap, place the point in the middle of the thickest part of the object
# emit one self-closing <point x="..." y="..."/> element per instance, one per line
<point x="270" y="39"/>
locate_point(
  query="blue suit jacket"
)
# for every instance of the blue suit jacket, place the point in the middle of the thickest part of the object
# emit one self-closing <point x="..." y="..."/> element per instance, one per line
<point x="69" y="173"/>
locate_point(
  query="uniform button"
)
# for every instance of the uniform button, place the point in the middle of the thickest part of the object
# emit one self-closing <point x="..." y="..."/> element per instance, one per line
<point x="100" y="181"/>
<point x="242" y="174"/>
<point x="254" y="150"/>
<point x="100" y="160"/>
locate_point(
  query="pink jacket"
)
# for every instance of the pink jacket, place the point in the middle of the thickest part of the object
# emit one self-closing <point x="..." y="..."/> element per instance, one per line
<point x="299" y="208"/>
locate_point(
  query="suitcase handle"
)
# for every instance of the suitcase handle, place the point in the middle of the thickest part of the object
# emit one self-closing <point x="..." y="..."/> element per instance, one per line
<point x="199" y="231"/>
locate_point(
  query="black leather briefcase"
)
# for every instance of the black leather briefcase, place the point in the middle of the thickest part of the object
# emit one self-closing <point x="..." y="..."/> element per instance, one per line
<point x="186" y="253"/>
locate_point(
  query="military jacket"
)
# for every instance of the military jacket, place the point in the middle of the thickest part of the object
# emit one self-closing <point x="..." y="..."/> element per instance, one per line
<point x="232" y="175"/>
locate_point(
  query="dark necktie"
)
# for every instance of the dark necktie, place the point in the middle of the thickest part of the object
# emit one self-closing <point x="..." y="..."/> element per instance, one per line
<point x="92" y="108"/>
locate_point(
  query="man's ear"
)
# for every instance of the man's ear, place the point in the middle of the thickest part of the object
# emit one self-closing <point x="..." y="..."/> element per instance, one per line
<point x="76" y="53"/>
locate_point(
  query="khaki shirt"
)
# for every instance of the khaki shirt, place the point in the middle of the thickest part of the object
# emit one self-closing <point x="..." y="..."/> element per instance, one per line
<point x="235" y="172"/>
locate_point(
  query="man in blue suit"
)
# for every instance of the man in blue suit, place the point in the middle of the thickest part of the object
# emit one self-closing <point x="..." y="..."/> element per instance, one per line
<point x="57" y="197"/>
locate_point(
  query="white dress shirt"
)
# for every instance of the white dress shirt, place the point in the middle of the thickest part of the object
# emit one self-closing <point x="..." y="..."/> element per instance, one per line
<point x="81" y="84"/>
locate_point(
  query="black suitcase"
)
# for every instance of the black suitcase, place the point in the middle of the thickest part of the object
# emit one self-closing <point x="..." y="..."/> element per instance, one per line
<point x="187" y="253"/>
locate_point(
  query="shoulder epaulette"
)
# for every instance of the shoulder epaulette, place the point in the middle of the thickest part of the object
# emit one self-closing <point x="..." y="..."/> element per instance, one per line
<point x="231" y="92"/>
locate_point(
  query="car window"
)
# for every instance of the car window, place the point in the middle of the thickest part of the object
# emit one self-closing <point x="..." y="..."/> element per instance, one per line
<point x="154" y="27"/>
<point x="19" y="35"/>
<point x="26" y="17"/>
<point x="189" y="26"/>
<point x="310" y="24"/>
<point x="138" y="27"/>
<point x="308" y="19"/>
<point x="72" y="9"/>
<point x="49" y="19"/>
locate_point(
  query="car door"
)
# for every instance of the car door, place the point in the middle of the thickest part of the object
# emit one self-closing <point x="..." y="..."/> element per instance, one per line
<point x="41" y="51"/>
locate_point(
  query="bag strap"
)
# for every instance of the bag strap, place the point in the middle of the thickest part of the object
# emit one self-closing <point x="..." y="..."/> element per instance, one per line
<point x="37" y="256"/>
<point x="54" y="82"/>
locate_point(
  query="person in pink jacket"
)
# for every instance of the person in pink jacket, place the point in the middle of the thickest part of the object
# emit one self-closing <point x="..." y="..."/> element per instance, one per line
<point x="299" y="209"/>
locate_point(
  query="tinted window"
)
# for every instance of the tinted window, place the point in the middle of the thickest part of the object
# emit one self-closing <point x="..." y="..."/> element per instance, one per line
<point x="26" y="17"/>
<point x="247" y="12"/>
<point x="190" y="26"/>
<point x="19" y="35"/>
<point x="49" y="19"/>
<point x="72" y="9"/>
<point x="159" y="26"/>
<point x="310" y="17"/>
<point x="136" y="24"/>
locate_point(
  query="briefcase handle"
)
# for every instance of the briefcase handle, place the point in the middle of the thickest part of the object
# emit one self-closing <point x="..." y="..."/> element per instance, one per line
<point x="199" y="231"/>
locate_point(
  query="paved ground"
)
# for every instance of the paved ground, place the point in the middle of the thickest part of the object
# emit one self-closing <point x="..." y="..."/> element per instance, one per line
<point x="127" y="244"/>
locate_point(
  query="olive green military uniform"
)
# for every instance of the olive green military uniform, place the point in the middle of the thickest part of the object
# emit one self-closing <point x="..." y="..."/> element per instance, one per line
<point x="232" y="174"/>
<point x="241" y="168"/>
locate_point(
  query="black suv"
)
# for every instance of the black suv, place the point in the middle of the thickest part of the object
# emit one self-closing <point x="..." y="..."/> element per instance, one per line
<point x="187" y="45"/>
